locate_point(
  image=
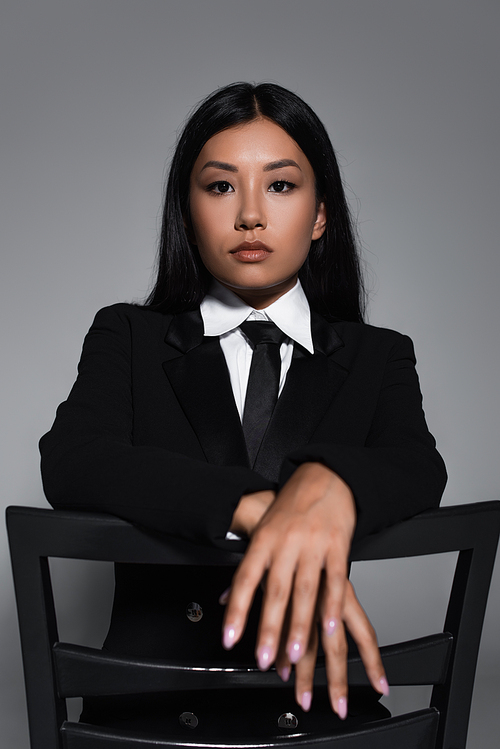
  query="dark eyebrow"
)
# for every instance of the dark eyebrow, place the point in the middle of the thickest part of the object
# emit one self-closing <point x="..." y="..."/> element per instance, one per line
<point x="220" y="165"/>
<point x="280" y="164"/>
<point x="268" y="167"/>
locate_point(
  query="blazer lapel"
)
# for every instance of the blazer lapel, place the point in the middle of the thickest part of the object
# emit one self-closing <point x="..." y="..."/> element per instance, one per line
<point x="311" y="384"/>
<point x="198" y="374"/>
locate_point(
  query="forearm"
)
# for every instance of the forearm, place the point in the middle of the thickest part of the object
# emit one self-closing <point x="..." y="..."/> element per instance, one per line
<point x="389" y="484"/>
<point x="381" y="446"/>
<point x="149" y="486"/>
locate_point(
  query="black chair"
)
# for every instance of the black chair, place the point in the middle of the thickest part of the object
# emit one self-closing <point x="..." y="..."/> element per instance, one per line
<point x="55" y="670"/>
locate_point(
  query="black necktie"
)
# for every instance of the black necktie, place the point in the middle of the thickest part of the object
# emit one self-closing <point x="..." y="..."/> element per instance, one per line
<point x="263" y="381"/>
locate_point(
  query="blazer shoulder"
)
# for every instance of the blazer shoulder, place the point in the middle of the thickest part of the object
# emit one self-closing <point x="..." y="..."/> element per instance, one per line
<point x="363" y="336"/>
<point x="126" y="315"/>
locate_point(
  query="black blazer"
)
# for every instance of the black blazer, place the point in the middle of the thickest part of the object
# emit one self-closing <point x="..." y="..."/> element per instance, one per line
<point x="150" y="432"/>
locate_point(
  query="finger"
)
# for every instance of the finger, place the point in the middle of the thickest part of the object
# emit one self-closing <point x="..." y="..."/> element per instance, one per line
<point x="274" y="607"/>
<point x="244" y="583"/>
<point x="333" y="590"/>
<point x="365" y="638"/>
<point x="304" y="597"/>
<point x="224" y="597"/>
<point x="335" y="648"/>
<point x="283" y="665"/>
<point x="331" y="604"/>
<point x="304" y="672"/>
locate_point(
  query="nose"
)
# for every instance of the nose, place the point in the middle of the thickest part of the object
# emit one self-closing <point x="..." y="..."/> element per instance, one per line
<point x="251" y="213"/>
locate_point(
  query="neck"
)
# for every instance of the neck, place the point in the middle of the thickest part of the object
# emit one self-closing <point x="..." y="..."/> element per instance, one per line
<point x="262" y="298"/>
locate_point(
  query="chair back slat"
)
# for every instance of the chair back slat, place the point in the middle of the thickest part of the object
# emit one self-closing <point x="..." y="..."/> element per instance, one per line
<point x="84" y="672"/>
<point x="413" y="731"/>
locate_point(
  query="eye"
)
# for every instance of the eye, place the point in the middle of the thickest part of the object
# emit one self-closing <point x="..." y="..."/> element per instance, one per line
<point x="281" y="186"/>
<point x="220" y="188"/>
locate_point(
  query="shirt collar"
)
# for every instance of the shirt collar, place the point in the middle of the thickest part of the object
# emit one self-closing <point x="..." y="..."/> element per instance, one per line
<point x="223" y="311"/>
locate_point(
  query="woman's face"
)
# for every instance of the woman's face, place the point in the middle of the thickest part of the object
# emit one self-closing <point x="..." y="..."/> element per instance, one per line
<point x="253" y="210"/>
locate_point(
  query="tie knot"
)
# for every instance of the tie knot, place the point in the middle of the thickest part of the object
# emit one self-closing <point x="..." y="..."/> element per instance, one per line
<point x="262" y="332"/>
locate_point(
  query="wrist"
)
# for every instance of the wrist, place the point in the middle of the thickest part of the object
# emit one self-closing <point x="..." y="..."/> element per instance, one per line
<point x="249" y="512"/>
<point x="314" y="482"/>
<point x="316" y="479"/>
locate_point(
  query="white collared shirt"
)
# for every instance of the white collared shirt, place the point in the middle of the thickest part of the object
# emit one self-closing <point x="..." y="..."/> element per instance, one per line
<point x="222" y="313"/>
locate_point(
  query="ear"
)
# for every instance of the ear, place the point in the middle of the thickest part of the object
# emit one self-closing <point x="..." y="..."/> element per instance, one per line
<point x="320" y="223"/>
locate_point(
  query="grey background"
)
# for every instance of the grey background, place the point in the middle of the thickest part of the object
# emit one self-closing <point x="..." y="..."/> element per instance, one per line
<point x="92" y="93"/>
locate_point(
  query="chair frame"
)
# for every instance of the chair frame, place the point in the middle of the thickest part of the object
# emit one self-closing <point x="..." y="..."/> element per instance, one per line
<point x="54" y="671"/>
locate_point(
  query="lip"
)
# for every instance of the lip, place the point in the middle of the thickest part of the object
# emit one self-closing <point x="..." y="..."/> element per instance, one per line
<point x="251" y="252"/>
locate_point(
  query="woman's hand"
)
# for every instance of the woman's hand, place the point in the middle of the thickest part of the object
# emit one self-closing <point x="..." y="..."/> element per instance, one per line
<point x="250" y="510"/>
<point x="302" y="542"/>
<point x="335" y="648"/>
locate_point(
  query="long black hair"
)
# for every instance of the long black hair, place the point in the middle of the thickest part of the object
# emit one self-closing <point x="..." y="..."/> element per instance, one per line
<point x="331" y="275"/>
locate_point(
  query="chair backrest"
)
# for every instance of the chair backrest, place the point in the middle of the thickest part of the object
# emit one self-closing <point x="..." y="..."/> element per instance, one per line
<point x="55" y="671"/>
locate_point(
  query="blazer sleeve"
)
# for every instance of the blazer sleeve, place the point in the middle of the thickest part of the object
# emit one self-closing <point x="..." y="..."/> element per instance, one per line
<point x="397" y="472"/>
<point x="89" y="460"/>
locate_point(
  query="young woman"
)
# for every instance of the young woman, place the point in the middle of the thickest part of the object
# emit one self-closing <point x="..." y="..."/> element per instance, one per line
<point x="174" y="424"/>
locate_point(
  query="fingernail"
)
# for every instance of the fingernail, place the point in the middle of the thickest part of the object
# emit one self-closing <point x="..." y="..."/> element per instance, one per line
<point x="331" y="627"/>
<point x="228" y="637"/>
<point x="295" y="651"/>
<point x="264" y="657"/>
<point x="285" y="673"/>
<point x="342" y="708"/>
<point x="384" y="686"/>
<point x="305" y="702"/>
<point x="223" y="598"/>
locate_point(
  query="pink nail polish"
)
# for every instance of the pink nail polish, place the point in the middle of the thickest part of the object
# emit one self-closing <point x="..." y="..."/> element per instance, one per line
<point x="331" y="627"/>
<point x="285" y="673"/>
<point x="264" y="657"/>
<point x="295" y="652"/>
<point x="223" y="598"/>
<point x="228" y="637"/>
<point x="384" y="686"/>
<point x="305" y="702"/>
<point x="342" y="708"/>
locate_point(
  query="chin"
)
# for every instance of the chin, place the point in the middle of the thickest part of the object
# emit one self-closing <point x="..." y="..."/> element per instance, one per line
<point x="255" y="285"/>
